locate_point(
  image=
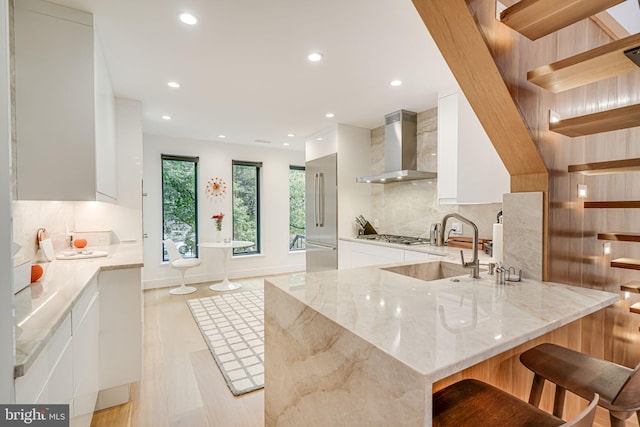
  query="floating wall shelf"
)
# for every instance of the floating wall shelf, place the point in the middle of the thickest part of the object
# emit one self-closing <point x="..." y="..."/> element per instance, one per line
<point x="628" y="263"/>
<point x="603" y="121"/>
<point x="624" y="204"/>
<point x="588" y="67"/>
<point x="609" y="167"/>
<point x="536" y="18"/>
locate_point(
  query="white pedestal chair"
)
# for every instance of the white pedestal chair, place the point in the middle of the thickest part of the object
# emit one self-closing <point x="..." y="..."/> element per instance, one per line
<point x="182" y="265"/>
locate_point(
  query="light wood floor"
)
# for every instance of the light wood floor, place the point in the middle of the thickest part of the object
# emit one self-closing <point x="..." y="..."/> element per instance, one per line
<point x="181" y="384"/>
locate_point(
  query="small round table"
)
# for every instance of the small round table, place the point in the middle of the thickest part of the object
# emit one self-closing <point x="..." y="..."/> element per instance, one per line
<point x="226" y="247"/>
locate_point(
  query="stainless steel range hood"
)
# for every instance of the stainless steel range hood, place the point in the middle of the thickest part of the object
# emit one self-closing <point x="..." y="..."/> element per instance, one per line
<point x="400" y="150"/>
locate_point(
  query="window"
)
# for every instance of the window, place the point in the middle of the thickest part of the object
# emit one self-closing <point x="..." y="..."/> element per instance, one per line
<point x="180" y="204"/>
<point x="296" y="208"/>
<point x="246" y="205"/>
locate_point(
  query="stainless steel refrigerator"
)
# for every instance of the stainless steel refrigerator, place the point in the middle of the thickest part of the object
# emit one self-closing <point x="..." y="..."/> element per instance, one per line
<point x="321" y="198"/>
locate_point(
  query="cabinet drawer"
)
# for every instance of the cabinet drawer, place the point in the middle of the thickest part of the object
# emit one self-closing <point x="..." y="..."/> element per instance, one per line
<point x="30" y="386"/>
<point x="80" y="308"/>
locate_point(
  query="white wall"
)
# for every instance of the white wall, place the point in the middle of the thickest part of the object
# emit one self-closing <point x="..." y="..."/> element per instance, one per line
<point x="215" y="161"/>
<point x="7" y="342"/>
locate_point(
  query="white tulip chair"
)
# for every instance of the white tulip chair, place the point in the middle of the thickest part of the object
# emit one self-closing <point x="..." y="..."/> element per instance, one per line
<point x="182" y="265"/>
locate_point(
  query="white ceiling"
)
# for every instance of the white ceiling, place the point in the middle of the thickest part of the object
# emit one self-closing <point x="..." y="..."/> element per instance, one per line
<point x="243" y="67"/>
<point x="244" y="71"/>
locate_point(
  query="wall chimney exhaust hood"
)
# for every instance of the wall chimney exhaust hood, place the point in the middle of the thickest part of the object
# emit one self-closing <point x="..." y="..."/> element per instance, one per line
<point x="400" y="150"/>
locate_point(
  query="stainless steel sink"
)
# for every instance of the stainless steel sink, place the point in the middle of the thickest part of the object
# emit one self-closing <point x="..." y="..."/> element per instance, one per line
<point x="433" y="270"/>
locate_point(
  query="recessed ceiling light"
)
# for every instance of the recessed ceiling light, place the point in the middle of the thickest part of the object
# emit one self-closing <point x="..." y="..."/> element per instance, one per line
<point x="286" y="144"/>
<point x="314" y="56"/>
<point x="291" y="135"/>
<point x="188" y="18"/>
<point x="222" y="136"/>
<point x="396" y="82"/>
<point x="329" y="115"/>
<point x="166" y="117"/>
<point x="319" y="138"/>
<point x="174" y="85"/>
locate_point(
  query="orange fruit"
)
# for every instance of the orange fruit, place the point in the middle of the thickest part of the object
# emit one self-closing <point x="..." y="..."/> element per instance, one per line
<point x="36" y="272"/>
<point x="80" y="243"/>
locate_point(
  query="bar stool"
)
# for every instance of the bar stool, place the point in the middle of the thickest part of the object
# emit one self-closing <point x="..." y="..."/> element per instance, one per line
<point x="474" y="403"/>
<point x="584" y="375"/>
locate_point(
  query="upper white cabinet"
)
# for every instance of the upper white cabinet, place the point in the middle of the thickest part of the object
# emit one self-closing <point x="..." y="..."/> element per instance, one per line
<point x="353" y="147"/>
<point x="65" y="121"/>
<point x="469" y="168"/>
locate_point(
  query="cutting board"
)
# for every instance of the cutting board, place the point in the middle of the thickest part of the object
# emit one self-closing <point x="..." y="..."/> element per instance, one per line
<point x="466" y="242"/>
<point x="93" y="254"/>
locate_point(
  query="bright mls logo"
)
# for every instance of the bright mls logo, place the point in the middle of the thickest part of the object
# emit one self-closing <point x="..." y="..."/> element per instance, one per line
<point x="34" y="415"/>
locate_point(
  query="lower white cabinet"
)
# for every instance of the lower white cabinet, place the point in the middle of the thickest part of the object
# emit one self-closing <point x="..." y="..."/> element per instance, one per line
<point x="120" y="334"/>
<point x="355" y="254"/>
<point x="50" y="376"/>
<point x="86" y="353"/>
<point x="96" y="347"/>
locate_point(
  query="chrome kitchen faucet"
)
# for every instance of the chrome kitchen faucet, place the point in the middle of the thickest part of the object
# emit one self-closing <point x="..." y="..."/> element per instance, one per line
<point x="474" y="273"/>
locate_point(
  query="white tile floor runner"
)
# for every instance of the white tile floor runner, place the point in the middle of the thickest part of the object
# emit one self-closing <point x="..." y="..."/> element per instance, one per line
<point x="233" y="327"/>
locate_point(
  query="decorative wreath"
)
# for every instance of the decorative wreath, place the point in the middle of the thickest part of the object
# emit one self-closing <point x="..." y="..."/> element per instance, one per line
<point x="216" y="188"/>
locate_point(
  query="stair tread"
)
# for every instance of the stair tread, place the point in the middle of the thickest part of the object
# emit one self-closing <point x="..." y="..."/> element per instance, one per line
<point x="628" y="263"/>
<point x="623" y="237"/>
<point x="624" y="204"/>
<point x="587" y="67"/>
<point x="633" y="286"/>
<point x="602" y="121"/>
<point x="635" y="308"/>
<point x="607" y="167"/>
<point x="537" y="18"/>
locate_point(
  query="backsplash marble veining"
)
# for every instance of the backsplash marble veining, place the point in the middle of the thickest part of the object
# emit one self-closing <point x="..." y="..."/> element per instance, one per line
<point x="409" y="208"/>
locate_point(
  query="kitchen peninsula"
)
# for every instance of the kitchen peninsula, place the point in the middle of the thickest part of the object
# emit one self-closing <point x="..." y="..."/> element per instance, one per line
<point x="364" y="346"/>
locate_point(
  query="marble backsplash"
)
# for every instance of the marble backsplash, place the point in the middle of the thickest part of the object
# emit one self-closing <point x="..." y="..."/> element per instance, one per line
<point x="409" y="208"/>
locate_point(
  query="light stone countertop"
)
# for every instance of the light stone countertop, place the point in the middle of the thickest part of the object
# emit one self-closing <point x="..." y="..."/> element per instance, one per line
<point x="42" y="306"/>
<point x="440" y="327"/>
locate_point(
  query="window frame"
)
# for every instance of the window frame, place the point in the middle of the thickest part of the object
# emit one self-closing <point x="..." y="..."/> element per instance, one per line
<point x="303" y="169"/>
<point x="192" y="159"/>
<point x="258" y="243"/>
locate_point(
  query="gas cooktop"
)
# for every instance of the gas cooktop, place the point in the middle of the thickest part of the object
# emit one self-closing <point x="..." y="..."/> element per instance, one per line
<point x="392" y="238"/>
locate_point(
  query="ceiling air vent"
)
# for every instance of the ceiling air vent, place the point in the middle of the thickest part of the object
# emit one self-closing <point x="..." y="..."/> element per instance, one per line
<point x="262" y="141"/>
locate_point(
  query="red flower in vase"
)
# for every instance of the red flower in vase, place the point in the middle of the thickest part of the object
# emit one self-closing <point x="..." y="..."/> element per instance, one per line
<point x="218" y="219"/>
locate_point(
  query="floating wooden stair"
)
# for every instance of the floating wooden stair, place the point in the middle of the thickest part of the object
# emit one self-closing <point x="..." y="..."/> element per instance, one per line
<point x="609" y="167"/>
<point x="628" y="263"/>
<point x="603" y="121"/>
<point x="631" y="287"/>
<point x="537" y="18"/>
<point x="624" y="204"/>
<point x="635" y="308"/>
<point x="620" y="237"/>
<point x="587" y="67"/>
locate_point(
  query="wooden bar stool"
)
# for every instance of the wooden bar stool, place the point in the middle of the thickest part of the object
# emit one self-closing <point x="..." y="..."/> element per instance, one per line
<point x="476" y="404"/>
<point x="584" y="375"/>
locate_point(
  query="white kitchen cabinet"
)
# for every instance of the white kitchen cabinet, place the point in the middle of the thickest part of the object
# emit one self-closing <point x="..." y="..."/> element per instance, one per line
<point x="120" y="334"/>
<point x="50" y="378"/>
<point x="420" y="256"/>
<point x="86" y="352"/>
<point x="469" y="168"/>
<point x="356" y="254"/>
<point x="58" y="123"/>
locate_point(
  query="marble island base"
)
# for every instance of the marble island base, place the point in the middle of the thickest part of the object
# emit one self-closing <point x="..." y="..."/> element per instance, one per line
<point x="366" y="346"/>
